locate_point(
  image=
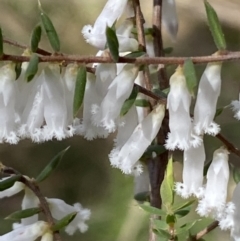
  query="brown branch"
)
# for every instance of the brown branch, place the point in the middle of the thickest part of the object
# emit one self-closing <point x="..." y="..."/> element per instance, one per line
<point x="205" y="231"/>
<point x="228" y="144"/>
<point x="157" y="40"/>
<point x="66" y="59"/>
<point x="23" y="46"/>
<point x="141" y="40"/>
<point x="32" y="185"/>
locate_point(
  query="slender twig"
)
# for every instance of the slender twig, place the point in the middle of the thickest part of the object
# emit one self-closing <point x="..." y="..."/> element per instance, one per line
<point x="23" y="46"/>
<point x="205" y="231"/>
<point x="141" y="40"/>
<point x="228" y="144"/>
<point x="228" y="56"/>
<point x="32" y="185"/>
<point x="157" y="40"/>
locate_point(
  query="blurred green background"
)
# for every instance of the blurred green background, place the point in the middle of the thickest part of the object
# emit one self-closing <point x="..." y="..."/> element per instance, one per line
<point x="85" y="175"/>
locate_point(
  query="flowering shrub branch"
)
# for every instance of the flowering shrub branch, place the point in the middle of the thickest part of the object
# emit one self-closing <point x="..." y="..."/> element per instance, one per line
<point x="117" y="94"/>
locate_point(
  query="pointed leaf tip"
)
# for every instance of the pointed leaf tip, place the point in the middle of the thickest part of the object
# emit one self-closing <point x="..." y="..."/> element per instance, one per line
<point x="129" y="102"/>
<point x="167" y="186"/>
<point x="32" y="67"/>
<point x="51" y="166"/>
<point x="64" y="221"/>
<point x="79" y="89"/>
<point x="190" y="75"/>
<point x="50" y="31"/>
<point x="23" y="213"/>
<point x="35" y="38"/>
<point x="112" y="42"/>
<point x="9" y="182"/>
<point x="215" y="26"/>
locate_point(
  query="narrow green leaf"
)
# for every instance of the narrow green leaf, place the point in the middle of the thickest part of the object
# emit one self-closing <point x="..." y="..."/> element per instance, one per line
<point x="129" y="102"/>
<point x="24" y="213"/>
<point x="183" y="212"/>
<point x="167" y="185"/>
<point x="18" y="69"/>
<point x="142" y="196"/>
<point x="79" y="89"/>
<point x="152" y="210"/>
<point x="50" y="31"/>
<point x="51" y="166"/>
<point x="1" y="43"/>
<point x="190" y="74"/>
<point x="36" y="37"/>
<point x="142" y="103"/>
<point x="236" y="175"/>
<point x="9" y="182"/>
<point x="112" y="42"/>
<point x="183" y="205"/>
<point x="215" y="26"/>
<point x="135" y="54"/>
<point x="64" y="222"/>
<point x="32" y="67"/>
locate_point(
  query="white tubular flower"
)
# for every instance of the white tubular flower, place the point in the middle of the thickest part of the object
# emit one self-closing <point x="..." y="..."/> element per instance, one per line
<point x="27" y="233"/>
<point x="120" y="89"/>
<point x="7" y="104"/>
<point x="111" y="12"/>
<point x="32" y="117"/>
<point x="60" y="209"/>
<point x="236" y="108"/>
<point x="208" y="93"/>
<point x="170" y="19"/>
<point x="86" y="128"/>
<point x="178" y="104"/>
<point x="105" y="73"/>
<point x="126" y="126"/>
<point x="215" y="193"/>
<point x="46" y="102"/>
<point x="138" y="142"/>
<point x="235" y="230"/>
<point x="192" y="176"/>
<point x="55" y="109"/>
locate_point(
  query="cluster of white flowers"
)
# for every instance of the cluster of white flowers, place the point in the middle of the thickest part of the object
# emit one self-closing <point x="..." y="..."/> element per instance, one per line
<point x="186" y="133"/>
<point x="30" y="228"/>
<point x="107" y="91"/>
<point x="213" y="194"/>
